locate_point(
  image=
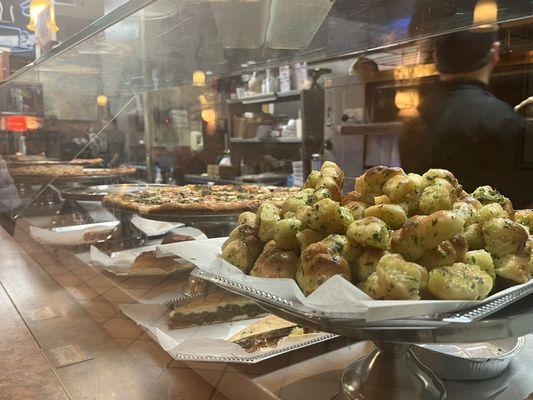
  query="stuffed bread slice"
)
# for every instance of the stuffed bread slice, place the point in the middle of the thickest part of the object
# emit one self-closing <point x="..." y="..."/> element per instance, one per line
<point x="266" y="333"/>
<point x="216" y="308"/>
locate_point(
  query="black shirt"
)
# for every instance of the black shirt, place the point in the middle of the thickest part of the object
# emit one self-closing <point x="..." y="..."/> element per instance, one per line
<point x="465" y="129"/>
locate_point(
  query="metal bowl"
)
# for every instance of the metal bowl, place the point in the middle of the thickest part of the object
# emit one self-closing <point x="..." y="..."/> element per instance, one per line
<point x="471" y="361"/>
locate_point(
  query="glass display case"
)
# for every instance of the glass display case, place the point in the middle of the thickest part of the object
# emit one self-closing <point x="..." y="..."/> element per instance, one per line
<point x="164" y="120"/>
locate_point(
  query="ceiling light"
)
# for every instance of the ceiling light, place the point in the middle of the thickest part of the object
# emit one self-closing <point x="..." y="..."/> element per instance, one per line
<point x="101" y="100"/>
<point x="198" y="78"/>
<point x="36" y="8"/>
<point x="209" y="116"/>
<point x="485" y="14"/>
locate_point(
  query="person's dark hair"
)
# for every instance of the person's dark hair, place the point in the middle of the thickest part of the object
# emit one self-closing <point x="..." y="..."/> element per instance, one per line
<point x="463" y="51"/>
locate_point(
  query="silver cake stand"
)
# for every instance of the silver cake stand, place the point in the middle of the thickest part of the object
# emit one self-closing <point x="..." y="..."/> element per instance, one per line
<point x="73" y="195"/>
<point x="49" y="191"/>
<point x="392" y="371"/>
<point x="212" y="224"/>
<point x="127" y="235"/>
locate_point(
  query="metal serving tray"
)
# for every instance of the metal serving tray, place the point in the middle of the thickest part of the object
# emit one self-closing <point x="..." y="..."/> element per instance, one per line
<point x="182" y="344"/>
<point x="253" y="358"/>
<point x="377" y="375"/>
<point x="462" y="326"/>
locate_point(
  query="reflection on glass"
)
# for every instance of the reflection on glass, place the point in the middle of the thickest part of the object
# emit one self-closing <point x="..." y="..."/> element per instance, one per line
<point x="485" y="13"/>
<point x="293" y="24"/>
<point x="407" y="101"/>
<point x="198" y="78"/>
<point x="241" y="24"/>
<point x="101" y="100"/>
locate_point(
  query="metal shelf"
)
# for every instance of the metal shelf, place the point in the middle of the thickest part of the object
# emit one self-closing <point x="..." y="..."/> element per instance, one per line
<point x="268" y="140"/>
<point x="267" y="98"/>
<point x="290" y="93"/>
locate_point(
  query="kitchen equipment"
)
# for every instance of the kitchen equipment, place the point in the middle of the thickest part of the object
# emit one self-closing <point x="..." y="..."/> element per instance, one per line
<point x="350" y="139"/>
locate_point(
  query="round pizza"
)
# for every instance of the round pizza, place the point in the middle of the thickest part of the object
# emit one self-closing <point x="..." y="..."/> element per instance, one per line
<point x="198" y="199"/>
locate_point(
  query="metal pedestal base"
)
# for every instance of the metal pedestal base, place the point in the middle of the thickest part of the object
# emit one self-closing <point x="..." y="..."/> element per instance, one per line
<point x="214" y="229"/>
<point x="71" y="214"/>
<point x="128" y="236"/>
<point x="45" y="196"/>
<point x="390" y="372"/>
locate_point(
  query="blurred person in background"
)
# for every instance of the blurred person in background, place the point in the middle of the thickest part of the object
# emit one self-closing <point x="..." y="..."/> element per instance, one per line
<point x="108" y="144"/>
<point x="463" y="127"/>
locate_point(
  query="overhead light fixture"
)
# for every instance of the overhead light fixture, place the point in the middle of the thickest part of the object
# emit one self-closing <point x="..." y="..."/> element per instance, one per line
<point x="485" y="15"/>
<point x="101" y="100"/>
<point x="32" y="123"/>
<point x="53" y="25"/>
<point x="36" y="8"/>
<point x="287" y="32"/>
<point x="241" y="24"/>
<point x="209" y="115"/>
<point x="198" y="78"/>
<point x="407" y="100"/>
<point x="202" y="99"/>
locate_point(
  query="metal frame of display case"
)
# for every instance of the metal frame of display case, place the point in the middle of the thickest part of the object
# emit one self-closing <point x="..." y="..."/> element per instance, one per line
<point x="108" y="20"/>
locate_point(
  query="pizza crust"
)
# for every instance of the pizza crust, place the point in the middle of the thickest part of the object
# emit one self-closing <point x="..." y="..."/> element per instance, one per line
<point x="69" y="170"/>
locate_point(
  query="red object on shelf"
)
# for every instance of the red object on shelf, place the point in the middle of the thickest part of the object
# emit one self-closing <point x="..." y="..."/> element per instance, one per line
<point x="16" y="123"/>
